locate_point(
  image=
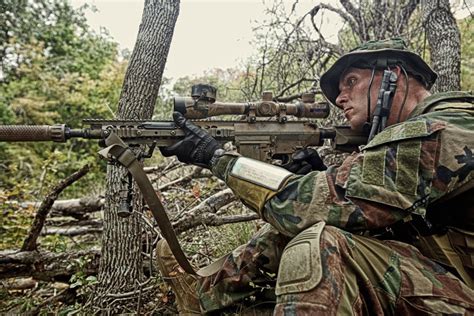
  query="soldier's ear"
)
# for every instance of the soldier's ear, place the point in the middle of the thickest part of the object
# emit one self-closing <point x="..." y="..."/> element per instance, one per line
<point x="398" y="71"/>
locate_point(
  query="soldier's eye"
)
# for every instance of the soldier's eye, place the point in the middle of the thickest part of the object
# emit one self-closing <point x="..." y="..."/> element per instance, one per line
<point x="351" y="82"/>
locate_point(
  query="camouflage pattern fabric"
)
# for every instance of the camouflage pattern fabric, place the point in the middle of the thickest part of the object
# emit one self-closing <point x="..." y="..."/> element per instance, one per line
<point x="400" y="173"/>
<point x="365" y="276"/>
<point x="248" y="271"/>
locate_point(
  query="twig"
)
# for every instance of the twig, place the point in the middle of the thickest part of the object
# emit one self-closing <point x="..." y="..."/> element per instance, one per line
<point x="30" y="242"/>
<point x="181" y="180"/>
<point x="53" y="299"/>
<point x="132" y="293"/>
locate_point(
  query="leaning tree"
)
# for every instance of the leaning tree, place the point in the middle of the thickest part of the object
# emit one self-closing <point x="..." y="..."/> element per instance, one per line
<point x="121" y="260"/>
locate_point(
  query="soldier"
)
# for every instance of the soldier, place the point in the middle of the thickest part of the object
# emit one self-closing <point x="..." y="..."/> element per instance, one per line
<point x="389" y="231"/>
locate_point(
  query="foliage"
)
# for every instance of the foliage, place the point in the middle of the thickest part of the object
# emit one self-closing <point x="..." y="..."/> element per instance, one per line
<point x="54" y="70"/>
<point x="66" y="40"/>
<point x="81" y="279"/>
<point x="14" y="222"/>
<point x="467" y="53"/>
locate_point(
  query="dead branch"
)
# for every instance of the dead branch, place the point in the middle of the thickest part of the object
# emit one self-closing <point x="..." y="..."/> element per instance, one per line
<point x="38" y="223"/>
<point x="185" y="179"/>
<point x="210" y="219"/>
<point x="194" y="216"/>
<point x="71" y="231"/>
<point x="64" y="295"/>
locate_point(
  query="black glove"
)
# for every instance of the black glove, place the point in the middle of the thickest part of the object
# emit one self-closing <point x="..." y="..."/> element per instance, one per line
<point x="304" y="161"/>
<point x="197" y="147"/>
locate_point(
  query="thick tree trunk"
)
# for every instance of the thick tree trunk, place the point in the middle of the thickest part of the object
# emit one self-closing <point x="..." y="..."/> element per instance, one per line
<point x="120" y="263"/>
<point x="445" y="44"/>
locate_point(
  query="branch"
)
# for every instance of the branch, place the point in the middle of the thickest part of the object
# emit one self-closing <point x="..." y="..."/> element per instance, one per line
<point x="341" y="13"/>
<point x="38" y="223"/>
<point x="185" y="179"/>
<point x="214" y="220"/>
<point x="282" y="92"/>
<point x="61" y="296"/>
<point x="294" y="96"/>
<point x="359" y="25"/>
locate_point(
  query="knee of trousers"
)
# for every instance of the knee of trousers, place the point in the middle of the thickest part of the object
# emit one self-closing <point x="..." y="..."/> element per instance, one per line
<point x="300" y="267"/>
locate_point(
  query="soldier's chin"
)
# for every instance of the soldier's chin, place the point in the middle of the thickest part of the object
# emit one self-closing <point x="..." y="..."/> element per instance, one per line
<point x="356" y="126"/>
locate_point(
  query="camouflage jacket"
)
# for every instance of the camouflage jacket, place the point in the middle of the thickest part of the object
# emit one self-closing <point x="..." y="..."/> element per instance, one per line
<point x="403" y="170"/>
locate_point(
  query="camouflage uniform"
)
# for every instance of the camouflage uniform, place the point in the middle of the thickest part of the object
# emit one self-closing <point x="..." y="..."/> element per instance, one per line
<point x="328" y="266"/>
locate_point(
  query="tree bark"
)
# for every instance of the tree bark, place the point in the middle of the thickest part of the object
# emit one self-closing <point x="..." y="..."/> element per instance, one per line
<point x="444" y="40"/>
<point x="121" y="263"/>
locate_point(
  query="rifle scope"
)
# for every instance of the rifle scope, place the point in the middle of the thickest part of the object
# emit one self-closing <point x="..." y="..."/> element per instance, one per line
<point x="202" y="104"/>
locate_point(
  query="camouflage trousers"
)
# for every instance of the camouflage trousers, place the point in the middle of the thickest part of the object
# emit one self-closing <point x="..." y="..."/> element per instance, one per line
<point x="342" y="274"/>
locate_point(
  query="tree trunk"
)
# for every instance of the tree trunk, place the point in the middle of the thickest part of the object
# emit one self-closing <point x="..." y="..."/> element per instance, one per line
<point x="444" y="40"/>
<point x="120" y="263"/>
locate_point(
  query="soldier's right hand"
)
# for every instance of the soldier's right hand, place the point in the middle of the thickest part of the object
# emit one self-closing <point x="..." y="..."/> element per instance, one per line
<point x="304" y="161"/>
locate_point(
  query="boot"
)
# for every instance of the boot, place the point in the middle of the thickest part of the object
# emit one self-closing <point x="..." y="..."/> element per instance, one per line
<point x="182" y="283"/>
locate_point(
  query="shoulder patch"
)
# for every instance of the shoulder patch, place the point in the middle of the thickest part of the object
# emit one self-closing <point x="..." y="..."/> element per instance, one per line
<point x="405" y="130"/>
<point x="402" y="131"/>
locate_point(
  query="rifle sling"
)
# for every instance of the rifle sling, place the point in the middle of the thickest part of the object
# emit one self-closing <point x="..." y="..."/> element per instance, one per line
<point x="118" y="150"/>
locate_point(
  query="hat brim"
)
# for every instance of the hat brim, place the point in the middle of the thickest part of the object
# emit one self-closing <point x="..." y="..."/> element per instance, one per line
<point x="330" y="79"/>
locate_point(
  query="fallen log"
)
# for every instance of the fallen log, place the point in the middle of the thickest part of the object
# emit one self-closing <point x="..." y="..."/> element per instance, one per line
<point x="67" y="222"/>
<point x="48" y="266"/>
<point x="71" y="231"/>
<point x="19" y="284"/>
<point x="76" y="208"/>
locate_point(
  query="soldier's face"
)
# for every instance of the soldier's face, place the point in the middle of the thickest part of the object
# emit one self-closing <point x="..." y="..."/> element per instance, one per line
<point x="353" y="96"/>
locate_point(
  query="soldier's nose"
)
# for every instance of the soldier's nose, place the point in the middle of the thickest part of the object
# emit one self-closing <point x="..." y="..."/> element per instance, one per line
<point x="341" y="100"/>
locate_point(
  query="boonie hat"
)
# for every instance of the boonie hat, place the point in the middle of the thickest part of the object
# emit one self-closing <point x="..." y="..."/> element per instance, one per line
<point x="379" y="54"/>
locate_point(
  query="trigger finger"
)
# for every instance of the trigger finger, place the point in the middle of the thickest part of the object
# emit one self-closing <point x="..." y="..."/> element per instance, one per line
<point x="179" y="119"/>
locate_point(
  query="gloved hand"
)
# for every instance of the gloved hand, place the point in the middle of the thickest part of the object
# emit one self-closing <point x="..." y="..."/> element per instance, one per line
<point x="197" y="147"/>
<point x="304" y="161"/>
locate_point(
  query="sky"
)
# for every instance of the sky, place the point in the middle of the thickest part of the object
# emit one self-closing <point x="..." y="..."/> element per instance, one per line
<point x="208" y="34"/>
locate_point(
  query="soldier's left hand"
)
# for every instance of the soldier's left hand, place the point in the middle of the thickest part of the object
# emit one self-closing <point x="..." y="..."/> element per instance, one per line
<point x="304" y="161"/>
<point x="197" y="147"/>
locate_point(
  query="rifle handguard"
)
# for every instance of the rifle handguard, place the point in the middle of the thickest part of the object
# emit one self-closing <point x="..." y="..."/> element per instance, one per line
<point x="25" y="133"/>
